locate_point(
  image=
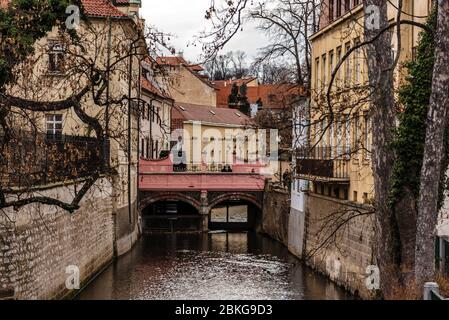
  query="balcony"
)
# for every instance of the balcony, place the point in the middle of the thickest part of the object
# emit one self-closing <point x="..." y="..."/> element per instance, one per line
<point x="32" y="159"/>
<point x="324" y="164"/>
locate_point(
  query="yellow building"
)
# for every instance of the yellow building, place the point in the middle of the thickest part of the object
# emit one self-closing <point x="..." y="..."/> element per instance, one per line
<point x="337" y="161"/>
<point x="185" y="83"/>
<point x="212" y="137"/>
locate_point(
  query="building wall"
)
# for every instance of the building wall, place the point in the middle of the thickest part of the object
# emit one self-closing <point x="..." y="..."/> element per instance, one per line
<point x="276" y="213"/>
<point x="185" y="87"/>
<point x="155" y="128"/>
<point x="345" y="258"/>
<point x="350" y="128"/>
<point x="39" y="242"/>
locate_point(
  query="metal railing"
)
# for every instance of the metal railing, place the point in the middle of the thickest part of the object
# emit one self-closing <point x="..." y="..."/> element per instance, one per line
<point x="325" y="153"/>
<point x="37" y="159"/>
<point x="326" y="162"/>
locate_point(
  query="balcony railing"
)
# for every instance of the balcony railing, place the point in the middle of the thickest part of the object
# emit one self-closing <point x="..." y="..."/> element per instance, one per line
<point x="324" y="163"/>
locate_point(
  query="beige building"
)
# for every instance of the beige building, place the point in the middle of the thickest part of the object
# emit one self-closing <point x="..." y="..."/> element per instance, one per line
<point x="333" y="191"/>
<point x="339" y="163"/>
<point x="185" y="83"/>
<point x="61" y="67"/>
<point x="155" y="116"/>
<point x="211" y="137"/>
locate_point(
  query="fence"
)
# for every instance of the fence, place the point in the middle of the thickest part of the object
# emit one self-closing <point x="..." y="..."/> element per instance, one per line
<point x="36" y="159"/>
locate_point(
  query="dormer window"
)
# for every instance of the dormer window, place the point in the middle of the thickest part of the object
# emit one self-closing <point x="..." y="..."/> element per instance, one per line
<point x="212" y="112"/>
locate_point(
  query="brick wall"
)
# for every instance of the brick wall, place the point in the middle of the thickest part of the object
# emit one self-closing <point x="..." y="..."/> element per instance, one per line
<point x="38" y="242"/>
<point x="349" y="253"/>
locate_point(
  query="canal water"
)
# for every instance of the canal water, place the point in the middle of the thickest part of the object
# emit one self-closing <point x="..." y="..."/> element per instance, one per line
<point x="217" y="266"/>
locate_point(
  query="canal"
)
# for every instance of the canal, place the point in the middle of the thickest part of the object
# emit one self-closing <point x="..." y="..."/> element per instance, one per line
<point x="218" y="265"/>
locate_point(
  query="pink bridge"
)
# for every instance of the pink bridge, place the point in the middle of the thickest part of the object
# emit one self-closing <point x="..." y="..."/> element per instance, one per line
<point x="159" y="175"/>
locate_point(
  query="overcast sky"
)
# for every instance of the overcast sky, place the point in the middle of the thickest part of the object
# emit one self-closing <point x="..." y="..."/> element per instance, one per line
<point x="186" y="19"/>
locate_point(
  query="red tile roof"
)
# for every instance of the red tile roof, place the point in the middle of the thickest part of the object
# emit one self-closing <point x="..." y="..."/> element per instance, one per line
<point x="185" y="112"/>
<point x="97" y="8"/>
<point x="101" y="8"/>
<point x="148" y="86"/>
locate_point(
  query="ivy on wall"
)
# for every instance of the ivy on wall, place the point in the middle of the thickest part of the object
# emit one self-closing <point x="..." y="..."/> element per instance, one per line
<point x="414" y="97"/>
<point x="22" y="23"/>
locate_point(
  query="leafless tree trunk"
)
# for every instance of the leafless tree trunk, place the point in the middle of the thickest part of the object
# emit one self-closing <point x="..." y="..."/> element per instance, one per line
<point x="380" y="71"/>
<point x="433" y="152"/>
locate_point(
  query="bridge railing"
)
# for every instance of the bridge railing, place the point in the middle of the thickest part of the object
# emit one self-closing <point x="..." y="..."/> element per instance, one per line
<point x="166" y="166"/>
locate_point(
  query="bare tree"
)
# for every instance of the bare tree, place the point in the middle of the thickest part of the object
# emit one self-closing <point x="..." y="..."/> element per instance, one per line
<point x="433" y="152"/>
<point x="70" y="73"/>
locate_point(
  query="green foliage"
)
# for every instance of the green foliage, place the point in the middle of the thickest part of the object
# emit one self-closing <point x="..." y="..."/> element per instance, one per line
<point x="238" y="98"/>
<point x="414" y="96"/>
<point x="22" y="23"/>
<point x="233" y="97"/>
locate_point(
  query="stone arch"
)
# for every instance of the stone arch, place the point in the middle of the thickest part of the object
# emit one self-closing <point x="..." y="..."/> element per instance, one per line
<point x="169" y="196"/>
<point x="233" y="196"/>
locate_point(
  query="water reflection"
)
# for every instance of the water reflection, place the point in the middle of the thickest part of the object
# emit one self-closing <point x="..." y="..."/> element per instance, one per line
<point x="220" y="265"/>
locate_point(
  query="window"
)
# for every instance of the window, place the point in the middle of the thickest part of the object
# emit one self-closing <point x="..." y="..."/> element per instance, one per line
<point x="55" y="57"/>
<point x="331" y="63"/>
<point x="357" y="62"/>
<point x="365" y="197"/>
<point x="347" y="5"/>
<point x="356" y="135"/>
<point x="355" y="196"/>
<point x="347" y="134"/>
<point x="338" y="61"/>
<point x="367" y="145"/>
<point x="339" y="141"/>
<point x="317" y="71"/>
<point x="142" y="150"/>
<point x="331" y="10"/>
<point x="54" y="124"/>
<point x="338" y="8"/>
<point x="331" y="138"/>
<point x="323" y="70"/>
<point x="347" y="65"/>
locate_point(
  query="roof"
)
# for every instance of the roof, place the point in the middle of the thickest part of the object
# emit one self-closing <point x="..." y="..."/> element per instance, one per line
<point x="193" y="68"/>
<point x="149" y="87"/>
<point x="191" y="112"/>
<point x="102" y="8"/>
<point x="96" y="8"/>
<point x="273" y="96"/>
<point x="171" y="61"/>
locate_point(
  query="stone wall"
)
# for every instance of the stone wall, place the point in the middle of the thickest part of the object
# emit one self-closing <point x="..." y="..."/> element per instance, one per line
<point x="345" y="257"/>
<point x="276" y="212"/>
<point x="38" y="242"/>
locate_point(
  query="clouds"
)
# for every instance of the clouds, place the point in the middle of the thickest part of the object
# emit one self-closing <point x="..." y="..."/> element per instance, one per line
<point x="185" y="19"/>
